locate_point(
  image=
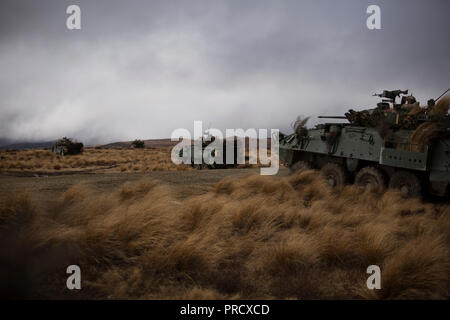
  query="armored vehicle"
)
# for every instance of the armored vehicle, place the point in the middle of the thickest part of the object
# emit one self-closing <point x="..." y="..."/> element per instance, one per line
<point x="66" y="146"/>
<point x="402" y="146"/>
<point x="206" y="140"/>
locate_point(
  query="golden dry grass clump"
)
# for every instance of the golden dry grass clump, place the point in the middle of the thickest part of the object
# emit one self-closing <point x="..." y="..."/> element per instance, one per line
<point x="96" y="159"/>
<point x="253" y="237"/>
<point x="428" y="131"/>
<point x="442" y="106"/>
<point x="425" y="133"/>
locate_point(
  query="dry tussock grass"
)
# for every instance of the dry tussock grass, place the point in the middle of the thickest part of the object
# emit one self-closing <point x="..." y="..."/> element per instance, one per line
<point x="254" y="237"/>
<point x="429" y="131"/>
<point x="112" y="160"/>
<point x="441" y="107"/>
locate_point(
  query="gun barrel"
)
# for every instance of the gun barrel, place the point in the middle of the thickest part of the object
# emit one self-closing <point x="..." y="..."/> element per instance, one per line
<point x="332" y="117"/>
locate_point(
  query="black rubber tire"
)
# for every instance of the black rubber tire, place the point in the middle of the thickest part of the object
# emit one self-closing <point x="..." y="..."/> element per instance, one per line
<point x="371" y="176"/>
<point x="299" y="166"/>
<point x="407" y="182"/>
<point x="335" y="174"/>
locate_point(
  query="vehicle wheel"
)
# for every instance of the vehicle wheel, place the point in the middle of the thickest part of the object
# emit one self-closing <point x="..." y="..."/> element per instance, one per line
<point x="407" y="182"/>
<point x="335" y="174"/>
<point x="371" y="177"/>
<point x="299" y="166"/>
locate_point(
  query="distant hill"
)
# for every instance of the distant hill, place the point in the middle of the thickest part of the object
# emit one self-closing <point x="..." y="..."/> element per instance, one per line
<point x="156" y="143"/>
<point x="4" y="142"/>
<point x="28" y="145"/>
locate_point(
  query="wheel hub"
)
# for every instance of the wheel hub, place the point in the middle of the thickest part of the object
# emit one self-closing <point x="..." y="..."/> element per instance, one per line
<point x="332" y="181"/>
<point x="370" y="182"/>
<point x="405" y="189"/>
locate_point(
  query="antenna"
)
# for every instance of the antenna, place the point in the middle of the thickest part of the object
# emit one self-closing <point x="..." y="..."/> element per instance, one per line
<point x="442" y="94"/>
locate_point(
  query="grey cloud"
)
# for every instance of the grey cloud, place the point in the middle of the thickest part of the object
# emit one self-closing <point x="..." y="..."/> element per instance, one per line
<point x="145" y="68"/>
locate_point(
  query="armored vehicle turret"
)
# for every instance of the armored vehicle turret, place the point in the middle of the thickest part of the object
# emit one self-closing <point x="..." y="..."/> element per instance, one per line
<point x="403" y="146"/>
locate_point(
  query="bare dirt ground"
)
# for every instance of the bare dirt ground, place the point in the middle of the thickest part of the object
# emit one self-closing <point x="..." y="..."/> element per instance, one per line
<point x="184" y="183"/>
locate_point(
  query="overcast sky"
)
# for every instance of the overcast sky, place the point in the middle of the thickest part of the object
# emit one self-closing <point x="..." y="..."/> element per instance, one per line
<point x="140" y="69"/>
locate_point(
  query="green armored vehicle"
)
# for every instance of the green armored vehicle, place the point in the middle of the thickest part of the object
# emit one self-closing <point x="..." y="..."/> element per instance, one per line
<point x="206" y="140"/>
<point x="66" y="146"/>
<point x="402" y="146"/>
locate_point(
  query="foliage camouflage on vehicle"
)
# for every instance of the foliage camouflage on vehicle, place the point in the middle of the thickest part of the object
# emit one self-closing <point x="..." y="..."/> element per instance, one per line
<point x="206" y="141"/>
<point x="66" y="146"/>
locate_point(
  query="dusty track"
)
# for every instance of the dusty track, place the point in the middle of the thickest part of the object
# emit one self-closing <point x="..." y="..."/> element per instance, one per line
<point x="185" y="183"/>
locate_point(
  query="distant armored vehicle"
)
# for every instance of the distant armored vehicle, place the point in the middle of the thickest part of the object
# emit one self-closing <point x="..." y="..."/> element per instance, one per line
<point x="66" y="146"/>
<point x="138" y="144"/>
<point x="206" y="141"/>
<point x="402" y="146"/>
<point x="219" y="151"/>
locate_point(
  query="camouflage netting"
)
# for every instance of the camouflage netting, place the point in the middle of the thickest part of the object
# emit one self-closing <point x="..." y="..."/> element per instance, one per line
<point x="442" y="106"/>
<point x="425" y="133"/>
<point x="428" y="131"/>
<point x="427" y="123"/>
<point x="299" y="126"/>
<point x="415" y="110"/>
